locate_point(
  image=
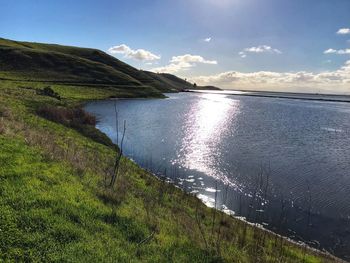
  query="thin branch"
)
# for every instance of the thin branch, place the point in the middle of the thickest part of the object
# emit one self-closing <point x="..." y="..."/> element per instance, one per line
<point x="118" y="158"/>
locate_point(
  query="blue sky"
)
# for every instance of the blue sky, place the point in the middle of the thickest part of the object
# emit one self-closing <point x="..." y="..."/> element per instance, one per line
<point x="230" y="43"/>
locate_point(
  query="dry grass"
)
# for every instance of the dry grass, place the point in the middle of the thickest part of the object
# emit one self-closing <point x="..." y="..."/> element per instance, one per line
<point x="5" y="117"/>
<point x="2" y="127"/>
<point x="67" y="116"/>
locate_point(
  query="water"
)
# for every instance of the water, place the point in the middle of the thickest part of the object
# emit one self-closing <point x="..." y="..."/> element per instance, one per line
<point x="286" y="162"/>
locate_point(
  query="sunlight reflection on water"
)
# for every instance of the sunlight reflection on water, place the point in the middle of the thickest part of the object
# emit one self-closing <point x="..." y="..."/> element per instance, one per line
<point x="205" y="125"/>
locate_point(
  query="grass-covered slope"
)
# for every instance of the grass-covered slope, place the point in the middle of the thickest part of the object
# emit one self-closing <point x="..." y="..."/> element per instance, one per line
<point x="57" y="63"/>
<point x="55" y="205"/>
<point x="67" y="64"/>
<point x="171" y="80"/>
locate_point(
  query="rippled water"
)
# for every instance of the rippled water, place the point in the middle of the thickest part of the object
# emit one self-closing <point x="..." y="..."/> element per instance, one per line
<point x="286" y="162"/>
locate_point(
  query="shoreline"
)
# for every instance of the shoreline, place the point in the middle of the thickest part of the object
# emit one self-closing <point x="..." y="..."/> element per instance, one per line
<point x="280" y="95"/>
<point x="243" y="219"/>
<point x="169" y="181"/>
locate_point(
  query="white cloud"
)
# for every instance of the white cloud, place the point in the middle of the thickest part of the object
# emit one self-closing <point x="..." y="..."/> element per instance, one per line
<point x="337" y="81"/>
<point x="139" y="54"/>
<point x="208" y="39"/>
<point x="339" y="51"/>
<point x="184" y="62"/>
<point x="343" y="31"/>
<point x="262" y="49"/>
<point x="242" y="54"/>
<point x="330" y="51"/>
<point x="173" y="67"/>
<point x="192" y="59"/>
<point x="259" y="49"/>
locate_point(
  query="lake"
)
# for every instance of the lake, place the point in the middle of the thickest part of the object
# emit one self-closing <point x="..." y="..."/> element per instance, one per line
<point x="282" y="163"/>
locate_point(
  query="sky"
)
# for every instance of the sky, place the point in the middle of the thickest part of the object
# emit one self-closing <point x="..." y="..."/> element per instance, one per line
<point x="284" y="45"/>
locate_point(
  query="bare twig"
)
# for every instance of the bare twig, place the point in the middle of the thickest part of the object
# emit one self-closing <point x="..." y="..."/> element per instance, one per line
<point x="147" y="239"/>
<point x="214" y="210"/>
<point x="118" y="158"/>
<point x="116" y="120"/>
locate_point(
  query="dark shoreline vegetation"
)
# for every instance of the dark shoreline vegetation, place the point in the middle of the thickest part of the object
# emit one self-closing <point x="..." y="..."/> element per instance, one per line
<point x="56" y="205"/>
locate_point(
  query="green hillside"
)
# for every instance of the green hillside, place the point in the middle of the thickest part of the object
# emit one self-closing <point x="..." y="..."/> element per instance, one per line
<point x="66" y="64"/>
<point x="170" y="80"/>
<point x="42" y="62"/>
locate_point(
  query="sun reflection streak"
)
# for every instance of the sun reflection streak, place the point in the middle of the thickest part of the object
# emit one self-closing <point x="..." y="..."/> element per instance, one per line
<point x="206" y="125"/>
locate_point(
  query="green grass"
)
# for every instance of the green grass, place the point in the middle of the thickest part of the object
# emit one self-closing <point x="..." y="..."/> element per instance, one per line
<point x="86" y="66"/>
<point x="55" y="206"/>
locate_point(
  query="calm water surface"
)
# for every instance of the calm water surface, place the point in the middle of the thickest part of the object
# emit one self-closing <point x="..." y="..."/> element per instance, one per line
<point x="286" y="162"/>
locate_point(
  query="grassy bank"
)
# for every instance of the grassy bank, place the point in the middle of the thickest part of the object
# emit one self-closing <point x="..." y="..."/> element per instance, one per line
<point x="55" y="205"/>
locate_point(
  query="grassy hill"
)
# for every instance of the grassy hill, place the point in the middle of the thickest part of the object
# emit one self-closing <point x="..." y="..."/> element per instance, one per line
<point x="66" y="64"/>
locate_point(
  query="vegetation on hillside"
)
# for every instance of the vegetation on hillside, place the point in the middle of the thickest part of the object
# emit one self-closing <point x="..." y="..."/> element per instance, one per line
<point x="72" y="65"/>
<point x="56" y="205"/>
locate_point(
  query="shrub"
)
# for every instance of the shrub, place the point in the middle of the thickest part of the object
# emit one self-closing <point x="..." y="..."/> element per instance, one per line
<point x="82" y="117"/>
<point x="67" y="116"/>
<point x="47" y="91"/>
<point x="77" y="119"/>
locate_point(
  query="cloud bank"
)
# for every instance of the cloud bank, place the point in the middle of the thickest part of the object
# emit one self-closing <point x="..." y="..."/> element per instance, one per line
<point x="139" y="54"/>
<point x="184" y="62"/>
<point x="339" y="51"/>
<point x="259" y="49"/>
<point x="337" y="81"/>
<point x="192" y="59"/>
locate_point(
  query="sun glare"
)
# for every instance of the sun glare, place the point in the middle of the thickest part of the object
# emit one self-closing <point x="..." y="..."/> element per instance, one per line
<point x="205" y="127"/>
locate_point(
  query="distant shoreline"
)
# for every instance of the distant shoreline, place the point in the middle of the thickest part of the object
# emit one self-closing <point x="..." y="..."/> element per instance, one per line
<point x="280" y="95"/>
